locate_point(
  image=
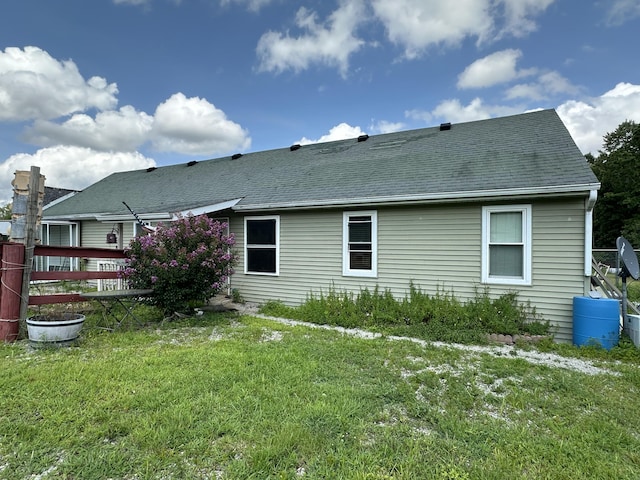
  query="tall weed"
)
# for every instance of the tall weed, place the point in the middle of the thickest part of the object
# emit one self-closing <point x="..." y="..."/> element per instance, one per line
<point x="440" y="316"/>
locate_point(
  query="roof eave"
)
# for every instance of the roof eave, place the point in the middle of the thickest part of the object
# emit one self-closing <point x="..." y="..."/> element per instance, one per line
<point x="443" y="197"/>
<point x="149" y="216"/>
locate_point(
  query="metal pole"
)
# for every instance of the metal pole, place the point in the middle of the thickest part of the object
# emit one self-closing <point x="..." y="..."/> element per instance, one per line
<point x="624" y="299"/>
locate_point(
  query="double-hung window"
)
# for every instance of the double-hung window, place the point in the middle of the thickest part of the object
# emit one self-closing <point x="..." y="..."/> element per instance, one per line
<point x="360" y="244"/>
<point x="262" y="245"/>
<point x="506" y="244"/>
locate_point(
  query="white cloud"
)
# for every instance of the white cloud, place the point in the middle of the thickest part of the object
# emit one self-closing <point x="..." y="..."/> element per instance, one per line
<point x="342" y="131"/>
<point x="35" y="85"/>
<point x="419" y="24"/>
<point x="194" y="126"/>
<point x="499" y="67"/>
<point x="252" y="5"/>
<point x="124" y="130"/>
<point x="519" y="16"/>
<point x="546" y="85"/>
<point x="531" y="91"/>
<point x="82" y="148"/>
<point x="416" y="25"/>
<point x="328" y="43"/>
<point x="454" y="111"/>
<point x="69" y="167"/>
<point x="383" y="126"/>
<point x="622" y="11"/>
<point x="588" y="122"/>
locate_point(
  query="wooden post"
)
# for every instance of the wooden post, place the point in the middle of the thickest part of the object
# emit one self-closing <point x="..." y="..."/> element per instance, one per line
<point x="30" y="236"/>
<point x="10" y="296"/>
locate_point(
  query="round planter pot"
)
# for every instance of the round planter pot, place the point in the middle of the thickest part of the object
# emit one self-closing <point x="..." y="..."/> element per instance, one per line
<point x="60" y="329"/>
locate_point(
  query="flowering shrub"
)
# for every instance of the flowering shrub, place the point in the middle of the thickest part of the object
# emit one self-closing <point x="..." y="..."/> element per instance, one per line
<point x="183" y="261"/>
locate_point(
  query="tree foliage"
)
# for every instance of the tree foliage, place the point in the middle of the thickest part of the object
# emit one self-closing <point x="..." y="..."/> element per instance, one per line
<point x="5" y="211"/>
<point x="617" y="166"/>
<point x="184" y="261"/>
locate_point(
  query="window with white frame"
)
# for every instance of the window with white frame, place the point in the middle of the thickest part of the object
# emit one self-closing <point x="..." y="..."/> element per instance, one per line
<point x="62" y="234"/>
<point x="139" y="229"/>
<point x="360" y="244"/>
<point x="506" y="244"/>
<point x="262" y="245"/>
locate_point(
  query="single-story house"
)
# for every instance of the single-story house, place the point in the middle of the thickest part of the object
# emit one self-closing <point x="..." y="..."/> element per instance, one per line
<point x="505" y="203"/>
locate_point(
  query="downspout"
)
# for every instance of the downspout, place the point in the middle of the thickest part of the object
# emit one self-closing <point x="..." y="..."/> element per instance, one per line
<point x="588" y="231"/>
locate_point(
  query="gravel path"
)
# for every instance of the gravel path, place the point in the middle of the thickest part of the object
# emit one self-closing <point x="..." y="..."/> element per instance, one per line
<point x="506" y="351"/>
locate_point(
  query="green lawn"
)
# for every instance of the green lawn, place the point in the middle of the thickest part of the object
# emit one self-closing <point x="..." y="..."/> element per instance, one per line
<point x="228" y="397"/>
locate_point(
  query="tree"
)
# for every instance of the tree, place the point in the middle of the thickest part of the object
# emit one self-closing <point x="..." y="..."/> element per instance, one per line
<point x="184" y="261"/>
<point x="5" y="211"/>
<point x="617" y="166"/>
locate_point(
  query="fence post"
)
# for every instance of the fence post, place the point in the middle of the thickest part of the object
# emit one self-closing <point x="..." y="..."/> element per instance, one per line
<point x="28" y="189"/>
<point x="11" y="290"/>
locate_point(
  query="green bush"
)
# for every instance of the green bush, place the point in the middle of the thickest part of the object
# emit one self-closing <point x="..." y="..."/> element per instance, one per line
<point x="185" y="261"/>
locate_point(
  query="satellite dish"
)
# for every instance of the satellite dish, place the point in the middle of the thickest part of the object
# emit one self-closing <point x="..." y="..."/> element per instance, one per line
<point x="629" y="259"/>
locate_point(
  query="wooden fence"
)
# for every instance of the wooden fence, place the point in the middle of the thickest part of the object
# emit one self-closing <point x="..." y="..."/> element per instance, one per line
<point x="13" y="260"/>
<point x="78" y="252"/>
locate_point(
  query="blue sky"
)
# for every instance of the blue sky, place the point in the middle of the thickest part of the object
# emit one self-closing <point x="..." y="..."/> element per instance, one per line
<point x="92" y="87"/>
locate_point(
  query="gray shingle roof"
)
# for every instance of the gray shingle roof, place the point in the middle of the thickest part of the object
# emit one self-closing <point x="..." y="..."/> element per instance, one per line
<point x="528" y="153"/>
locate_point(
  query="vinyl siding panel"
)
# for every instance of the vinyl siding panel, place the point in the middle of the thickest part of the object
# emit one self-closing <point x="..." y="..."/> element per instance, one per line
<point x="435" y="247"/>
<point x="94" y="234"/>
<point x="558" y="265"/>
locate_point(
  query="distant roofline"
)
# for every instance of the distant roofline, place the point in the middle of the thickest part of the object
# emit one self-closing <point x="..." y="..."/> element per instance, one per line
<point x="60" y="199"/>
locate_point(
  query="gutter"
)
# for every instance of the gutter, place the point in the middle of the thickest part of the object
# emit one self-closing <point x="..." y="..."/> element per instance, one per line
<point x="105" y="217"/>
<point x="561" y="190"/>
<point x="588" y="231"/>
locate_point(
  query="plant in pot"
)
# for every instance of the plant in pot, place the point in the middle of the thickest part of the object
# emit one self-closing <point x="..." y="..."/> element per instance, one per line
<point x="55" y="326"/>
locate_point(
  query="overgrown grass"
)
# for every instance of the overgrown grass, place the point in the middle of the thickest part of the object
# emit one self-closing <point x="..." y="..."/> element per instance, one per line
<point x="633" y="291"/>
<point x="435" y="317"/>
<point x="224" y="397"/>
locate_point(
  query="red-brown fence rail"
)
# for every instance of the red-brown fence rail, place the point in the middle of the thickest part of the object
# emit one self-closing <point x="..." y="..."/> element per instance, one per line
<point x="13" y="264"/>
<point x="14" y="252"/>
<point x="73" y="252"/>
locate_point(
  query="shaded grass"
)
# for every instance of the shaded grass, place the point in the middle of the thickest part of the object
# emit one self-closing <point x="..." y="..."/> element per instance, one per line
<point x="228" y="397"/>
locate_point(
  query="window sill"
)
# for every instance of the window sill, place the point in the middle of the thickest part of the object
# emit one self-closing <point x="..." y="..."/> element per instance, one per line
<point x="362" y="274"/>
<point x="507" y="281"/>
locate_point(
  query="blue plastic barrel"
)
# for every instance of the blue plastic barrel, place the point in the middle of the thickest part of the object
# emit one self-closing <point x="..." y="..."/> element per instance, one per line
<point x="596" y="321"/>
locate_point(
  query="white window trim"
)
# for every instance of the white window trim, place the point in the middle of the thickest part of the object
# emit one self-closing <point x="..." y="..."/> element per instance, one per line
<point x="137" y="228"/>
<point x="277" y="245"/>
<point x="346" y="270"/>
<point x="526" y="235"/>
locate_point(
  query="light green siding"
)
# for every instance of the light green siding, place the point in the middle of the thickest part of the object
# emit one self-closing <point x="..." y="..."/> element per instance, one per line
<point x="435" y="247"/>
<point x="94" y="234"/>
